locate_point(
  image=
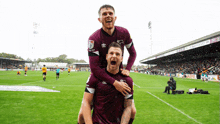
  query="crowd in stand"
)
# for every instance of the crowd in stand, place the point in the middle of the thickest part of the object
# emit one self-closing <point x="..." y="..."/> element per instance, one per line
<point x="15" y="66"/>
<point x="210" y="66"/>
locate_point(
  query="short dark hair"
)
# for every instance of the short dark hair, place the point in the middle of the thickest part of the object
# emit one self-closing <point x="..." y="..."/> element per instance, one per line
<point x="106" y="6"/>
<point x="114" y="44"/>
<point x="44" y="65"/>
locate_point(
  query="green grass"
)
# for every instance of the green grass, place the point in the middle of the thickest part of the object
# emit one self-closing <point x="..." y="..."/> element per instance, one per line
<point x="22" y="107"/>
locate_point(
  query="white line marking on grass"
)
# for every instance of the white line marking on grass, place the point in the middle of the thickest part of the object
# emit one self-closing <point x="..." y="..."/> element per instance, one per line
<point x="152" y="87"/>
<point x="26" y="88"/>
<point x="174" y="108"/>
<point x="57" y="85"/>
<point x="137" y="85"/>
<point x="171" y="106"/>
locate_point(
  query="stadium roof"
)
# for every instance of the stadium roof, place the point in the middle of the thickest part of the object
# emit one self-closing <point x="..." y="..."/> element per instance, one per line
<point x="198" y="46"/>
<point x="12" y="59"/>
<point x="80" y="63"/>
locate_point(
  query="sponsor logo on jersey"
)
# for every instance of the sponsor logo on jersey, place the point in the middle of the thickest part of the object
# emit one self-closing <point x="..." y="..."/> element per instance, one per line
<point x="103" y="82"/>
<point x="120" y="41"/>
<point x="91" y="44"/>
<point x="103" y="45"/>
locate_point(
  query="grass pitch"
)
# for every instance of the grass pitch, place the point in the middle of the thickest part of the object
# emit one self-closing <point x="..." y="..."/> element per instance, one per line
<point x="153" y="106"/>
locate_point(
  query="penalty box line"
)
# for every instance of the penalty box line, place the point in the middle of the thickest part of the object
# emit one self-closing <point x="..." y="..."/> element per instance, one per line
<point x="171" y="106"/>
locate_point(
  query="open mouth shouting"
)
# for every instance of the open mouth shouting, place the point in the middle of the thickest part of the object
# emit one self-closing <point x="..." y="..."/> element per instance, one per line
<point x="113" y="62"/>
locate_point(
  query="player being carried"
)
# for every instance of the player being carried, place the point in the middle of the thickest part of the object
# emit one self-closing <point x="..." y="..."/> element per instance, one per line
<point x="97" y="49"/>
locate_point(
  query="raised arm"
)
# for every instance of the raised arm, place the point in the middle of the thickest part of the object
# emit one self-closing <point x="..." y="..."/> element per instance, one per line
<point x="131" y="50"/>
<point x="132" y="54"/>
<point x="131" y="59"/>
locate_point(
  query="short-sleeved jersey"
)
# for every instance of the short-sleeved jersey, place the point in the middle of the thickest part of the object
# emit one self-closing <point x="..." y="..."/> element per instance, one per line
<point x="18" y="72"/>
<point x="108" y="102"/>
<point x="26" y="68"/>
<point x="68" y="69"/>
<point x="100" y="40"/>
<point x="44" y="69"/>
<point x="58" y="70"/>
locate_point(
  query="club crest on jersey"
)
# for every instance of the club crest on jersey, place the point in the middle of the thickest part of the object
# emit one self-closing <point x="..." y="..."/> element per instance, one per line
<point x="91" y="44"/>
<point x="103" y="82"/>
<point x="103" y="45"/>
<point x="120" y="41"/>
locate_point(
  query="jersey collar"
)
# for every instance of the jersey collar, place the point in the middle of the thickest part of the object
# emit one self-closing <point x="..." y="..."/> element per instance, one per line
<point x="105" y="33"/>
<point x="111" y="73"/>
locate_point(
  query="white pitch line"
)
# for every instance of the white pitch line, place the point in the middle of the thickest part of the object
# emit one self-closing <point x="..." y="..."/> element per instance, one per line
<point x="152" y="87"/>
<point x="57" y="85"/>
<point x="174" y="108"/>
<point x="171" y="106"/>
<point x="137" y="85"/>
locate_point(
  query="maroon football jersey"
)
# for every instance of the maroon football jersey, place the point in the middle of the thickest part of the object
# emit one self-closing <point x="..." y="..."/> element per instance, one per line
<point x="98" y="47"/>
<point x="108" y="102"/>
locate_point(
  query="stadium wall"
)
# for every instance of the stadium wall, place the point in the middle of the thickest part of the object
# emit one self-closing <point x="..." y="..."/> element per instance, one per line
<point x="11" y="69"/>
<point x="193" y="76"/>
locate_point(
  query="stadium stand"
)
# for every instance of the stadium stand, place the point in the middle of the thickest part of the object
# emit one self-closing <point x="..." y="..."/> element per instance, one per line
<point x="190" y="59"/>
<point x="11" y="63"/>
<point x="81" y="66"/>
<point x="75" y="66"/>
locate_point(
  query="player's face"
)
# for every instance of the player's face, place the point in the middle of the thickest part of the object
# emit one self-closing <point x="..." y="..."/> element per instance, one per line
<point x="114" y="58"/>
<point x="107" y="18"/>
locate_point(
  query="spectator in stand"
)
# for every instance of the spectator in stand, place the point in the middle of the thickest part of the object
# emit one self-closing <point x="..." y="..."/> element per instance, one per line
<point x="206" y="77"/>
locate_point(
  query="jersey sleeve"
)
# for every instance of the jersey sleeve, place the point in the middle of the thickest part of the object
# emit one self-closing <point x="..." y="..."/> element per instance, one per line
<point x="94" y="63"/>
<point x="131" y="50"/>
<point x="130" y="84"/>
<point x="91" y="84"/>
